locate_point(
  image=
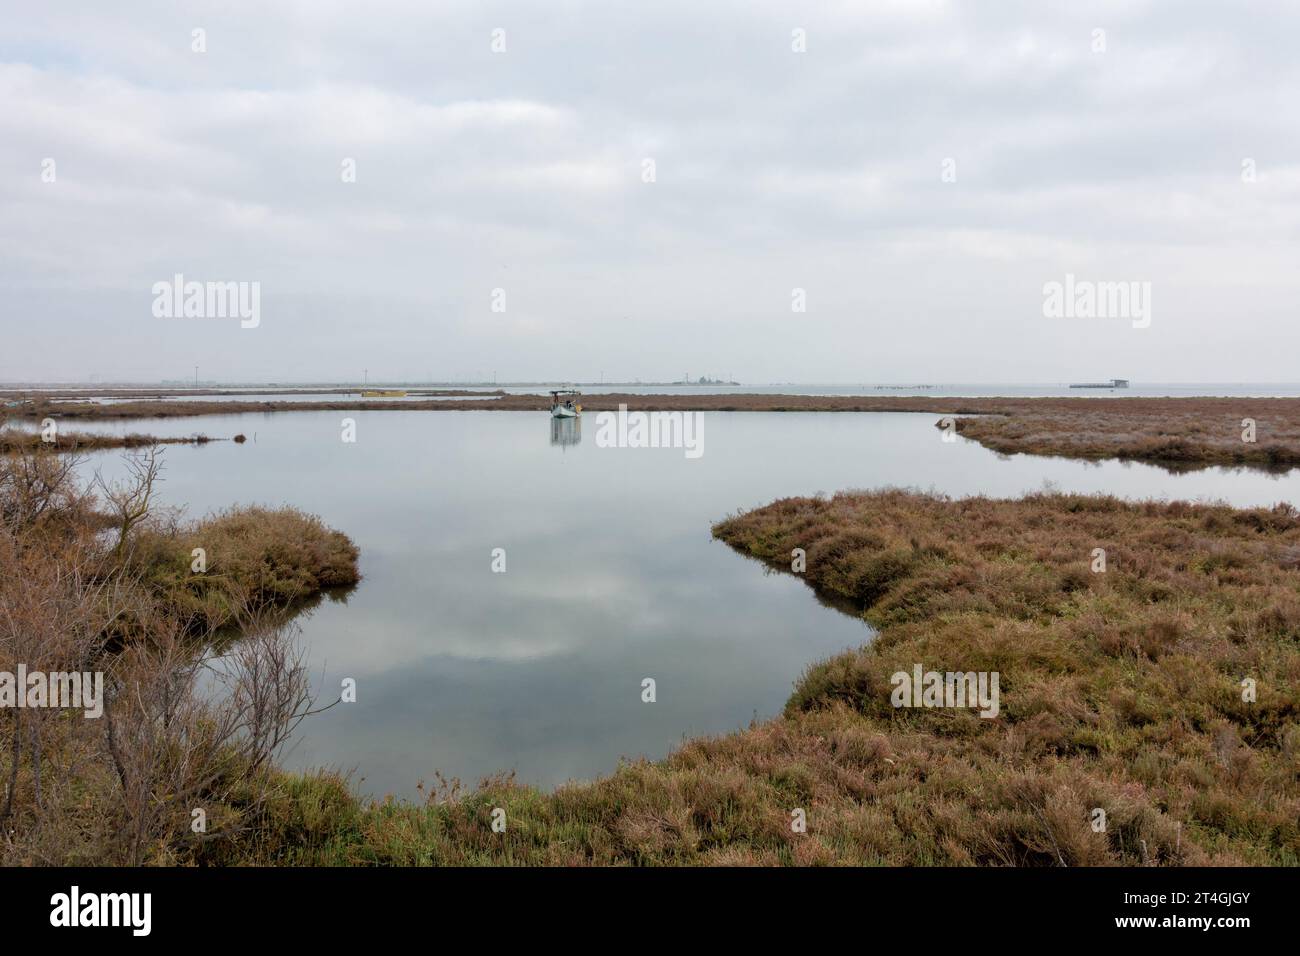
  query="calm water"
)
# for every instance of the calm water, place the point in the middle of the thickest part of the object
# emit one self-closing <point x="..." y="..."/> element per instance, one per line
<point x="933" y="390"/>
<point x="611" y="574"/>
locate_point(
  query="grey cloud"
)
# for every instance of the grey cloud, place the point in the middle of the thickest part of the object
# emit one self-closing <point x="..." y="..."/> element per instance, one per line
<point x="774" y="170"/>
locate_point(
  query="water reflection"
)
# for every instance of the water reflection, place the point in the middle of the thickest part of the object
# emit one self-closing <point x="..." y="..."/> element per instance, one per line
<point x="471" y="672"/>
<point x="566" y="431"/>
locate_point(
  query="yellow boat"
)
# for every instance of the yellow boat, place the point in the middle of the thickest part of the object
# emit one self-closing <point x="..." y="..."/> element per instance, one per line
<point x="389" y="393"/>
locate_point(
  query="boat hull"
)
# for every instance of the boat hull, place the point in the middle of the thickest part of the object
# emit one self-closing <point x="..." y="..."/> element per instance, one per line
<point x="561" y="411"/>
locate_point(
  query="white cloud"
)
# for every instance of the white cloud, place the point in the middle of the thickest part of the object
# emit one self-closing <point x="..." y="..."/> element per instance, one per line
<point x="523" y="171"/>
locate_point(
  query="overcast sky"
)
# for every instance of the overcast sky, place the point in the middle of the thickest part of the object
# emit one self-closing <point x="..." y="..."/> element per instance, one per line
<point x="774" y="170"/>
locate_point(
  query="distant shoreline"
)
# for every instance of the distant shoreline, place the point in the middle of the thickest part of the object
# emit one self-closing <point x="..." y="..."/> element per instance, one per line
<point x="1176" y="433"/>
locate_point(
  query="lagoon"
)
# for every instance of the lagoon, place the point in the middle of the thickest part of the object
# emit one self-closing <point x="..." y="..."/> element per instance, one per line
<point x="610" y="574"/>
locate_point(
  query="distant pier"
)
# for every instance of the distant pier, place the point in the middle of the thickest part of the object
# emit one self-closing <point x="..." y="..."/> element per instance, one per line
<point x="1113" y="383"/>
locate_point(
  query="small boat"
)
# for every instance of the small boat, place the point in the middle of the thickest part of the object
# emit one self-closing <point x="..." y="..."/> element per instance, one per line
<point x="565" y="403"/>
<point x="389" y="393"/>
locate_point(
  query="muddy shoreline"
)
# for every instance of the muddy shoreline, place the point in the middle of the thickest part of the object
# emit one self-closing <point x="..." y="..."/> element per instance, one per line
<point x="1177" y="433"/>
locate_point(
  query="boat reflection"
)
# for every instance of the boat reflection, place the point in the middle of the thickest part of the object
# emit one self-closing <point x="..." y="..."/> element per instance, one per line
<point x="566" y="431"/>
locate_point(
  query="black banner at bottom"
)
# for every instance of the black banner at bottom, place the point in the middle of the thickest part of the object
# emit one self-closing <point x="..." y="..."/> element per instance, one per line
<point x="333" y="906"/>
